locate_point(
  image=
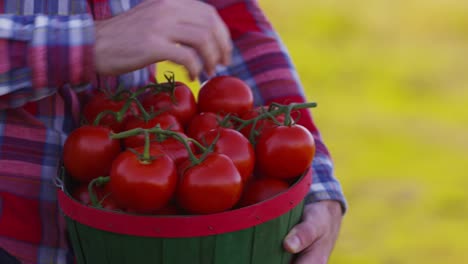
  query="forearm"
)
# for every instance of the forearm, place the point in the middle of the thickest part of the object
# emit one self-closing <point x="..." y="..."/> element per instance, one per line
<point x="42" y="53"/>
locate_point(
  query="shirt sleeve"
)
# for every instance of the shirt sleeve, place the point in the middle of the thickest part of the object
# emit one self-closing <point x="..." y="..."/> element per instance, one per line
<point x="261" y="59"/>
<point x="41" y="53"/>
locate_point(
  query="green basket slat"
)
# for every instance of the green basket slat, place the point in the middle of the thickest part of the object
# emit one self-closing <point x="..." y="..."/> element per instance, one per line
<point x="295" y="216"/>
<point x="75" y="240"/>
<point x="185" y="250"/>
<point x="234" y="247"/>
<point x="267" y="244"/>
<point x="93" y="244"/>
<point x="283" y="230"/>
<point x="207" y="244"/>
<point x="131" y="249"/>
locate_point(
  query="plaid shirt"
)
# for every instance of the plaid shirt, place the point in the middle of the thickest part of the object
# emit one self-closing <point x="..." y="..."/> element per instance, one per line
<point x="46" y="59"/>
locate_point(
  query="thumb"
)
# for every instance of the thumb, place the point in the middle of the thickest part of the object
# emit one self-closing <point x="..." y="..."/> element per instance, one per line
<point x="300" y="237"/>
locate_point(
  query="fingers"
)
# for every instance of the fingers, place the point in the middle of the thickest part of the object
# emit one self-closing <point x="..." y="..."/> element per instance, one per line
<point x="202" y="41"/>
<point x="223" y="38"/>
<point x="207" y="33"/>
<point x="314" y="238"/>
<point x="301" y="236"/>
<point x="187" y="32"/>
<point x="309" y="241"/>
<point x="185" y="56"/>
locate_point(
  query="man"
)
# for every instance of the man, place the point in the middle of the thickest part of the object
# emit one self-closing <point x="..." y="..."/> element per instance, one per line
<point x="52" y="50"/>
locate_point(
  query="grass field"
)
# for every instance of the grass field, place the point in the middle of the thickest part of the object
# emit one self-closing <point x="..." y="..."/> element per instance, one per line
<point x="391" y="81"/>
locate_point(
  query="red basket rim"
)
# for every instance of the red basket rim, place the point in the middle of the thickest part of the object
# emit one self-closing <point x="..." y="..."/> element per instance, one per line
<point x="186" y="225"/>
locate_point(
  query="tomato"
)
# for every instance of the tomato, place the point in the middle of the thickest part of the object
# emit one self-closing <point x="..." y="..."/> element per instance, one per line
<point x="101" y="102"/>
<point x="81" y="193"/>
<point x="260" y="190"/>
<point x="284" y="152"/>
<point x="170" y="209"/>
<point x="88" y="152"/>
<point x="165" y="120"/>
<point x="234" y="145"/>
<point x="202" y="123"/>
<point x="262" y="124"/>
<point x="103" y="195"/>
<point x="225" y="94"/>
<point x="175" y="149"/>
<point x="212" y="186"/>
<point x="180" y="104"/>
<point x="143" y="186"/>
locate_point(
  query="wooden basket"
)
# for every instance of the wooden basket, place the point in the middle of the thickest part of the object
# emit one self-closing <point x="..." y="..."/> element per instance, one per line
<point x="252" y="234"/>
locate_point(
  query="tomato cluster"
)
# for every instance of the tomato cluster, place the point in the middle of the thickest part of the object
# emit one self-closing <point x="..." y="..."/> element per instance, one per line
<point x="158" y="150"/>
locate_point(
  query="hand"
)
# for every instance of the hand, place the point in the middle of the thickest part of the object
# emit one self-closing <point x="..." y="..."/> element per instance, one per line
<point x="187" y="32"/>
<point x="314" y="238"/>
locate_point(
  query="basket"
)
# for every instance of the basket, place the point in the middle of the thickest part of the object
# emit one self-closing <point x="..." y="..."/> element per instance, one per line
<point x="252" y="234"/>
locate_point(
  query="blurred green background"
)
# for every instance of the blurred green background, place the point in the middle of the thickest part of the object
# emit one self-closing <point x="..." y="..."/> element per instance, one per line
<point x="391" y="81"/>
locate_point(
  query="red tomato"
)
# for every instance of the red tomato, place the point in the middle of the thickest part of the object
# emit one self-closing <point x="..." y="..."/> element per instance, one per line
<point x="103" y="195"/>
<point x="81" y="193"/>
<point x="108" y="202"/>
<point x="181" y="103"/>
<point x="101" y="102"/>
<point x="202" y="123"/>
<point x="262" y="124"/>
<point x="88" y="152"/>
<point x="284" y="152"/>
<point x="260" y="190"/>
<point x="174" y="149"/>
<point x="212" y="186"/>
<point x="143" y="186"/>
<point x="165" y="120"/>
<point x="170" y="209"/>
<point x="225" y="94"/>
<point x="234" y="145"/>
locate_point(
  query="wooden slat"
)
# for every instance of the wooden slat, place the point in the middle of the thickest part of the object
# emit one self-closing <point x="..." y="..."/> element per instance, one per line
<point x="75" y="241"/>
<point x="130" y="249"/>
<point x="234" y="247"/>
<point x="294" y="219"/>
<point x="93" y="244"/>
<point x="207" y="249"/>
<point x="268" y="241"/>
<point x="185" y="250"/>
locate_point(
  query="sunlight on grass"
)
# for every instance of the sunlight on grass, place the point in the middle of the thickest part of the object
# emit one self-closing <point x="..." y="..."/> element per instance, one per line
<point x="391" y="85"/>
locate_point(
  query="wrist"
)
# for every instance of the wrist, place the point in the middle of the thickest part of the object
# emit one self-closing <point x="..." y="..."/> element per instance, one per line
<point x="99" y="46"/>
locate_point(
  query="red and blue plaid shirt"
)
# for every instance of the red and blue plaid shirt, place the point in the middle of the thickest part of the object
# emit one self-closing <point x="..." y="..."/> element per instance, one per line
<point x="46" y="58"/>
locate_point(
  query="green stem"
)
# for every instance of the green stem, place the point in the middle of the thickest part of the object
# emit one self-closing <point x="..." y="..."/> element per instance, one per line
<point x="99" y="181"/>
<point x="118" y="115"/>
<point x="198" y="144"/>
<point x="144" y="113"/>
<point x="146" y="151"/>
<point x="157" y="130"/>
<point x="287" y="119"/>
<point x="129" y="133"/>
<point x="119" y="96"/>
<point x="101" y="115"/>
<point x="210" y="148"/>
<point x="170" y="78"/>
<point x="273" y="110"/>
